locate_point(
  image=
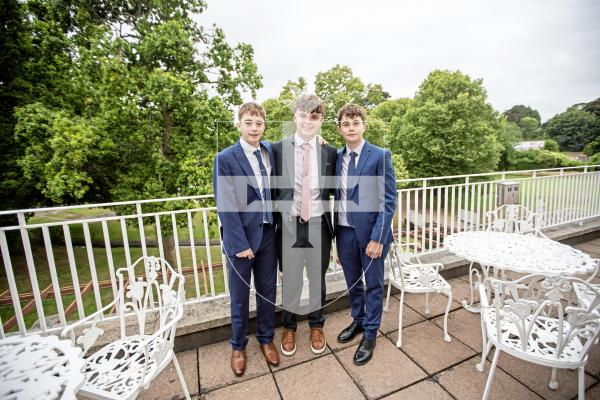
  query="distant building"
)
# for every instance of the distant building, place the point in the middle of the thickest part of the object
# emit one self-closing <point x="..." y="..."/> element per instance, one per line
<point x="531" y="145"/>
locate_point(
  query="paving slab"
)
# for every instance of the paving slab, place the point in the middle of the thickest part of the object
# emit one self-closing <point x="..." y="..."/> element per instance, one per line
<point x="593" y="365"/>
<point x="388" y="371"/>
<point x="303" y="352"/>
<point x="427" y="389"/>
<point x="536" y="377"/>
<point x="322" y="378"/>
<point x="166" y="385"/>
<point x="214" y="365"/>
<point x="465" y="326"/>
<point x="437" y="303"/>
<point x="464" y="382"/>
<point x="389" y="319"/>
<point x="261" y="388"/>
<point x="334" y="324"/>
<point x="461" y="290"/>
<point x="593" y="392"/>
<point x="424" y="343"/>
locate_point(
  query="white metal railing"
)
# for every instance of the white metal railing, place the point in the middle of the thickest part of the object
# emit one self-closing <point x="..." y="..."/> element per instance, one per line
<point x="57" y="272"/>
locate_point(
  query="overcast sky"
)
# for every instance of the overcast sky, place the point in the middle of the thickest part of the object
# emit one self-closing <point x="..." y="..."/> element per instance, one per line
<point x="541" y="53"/>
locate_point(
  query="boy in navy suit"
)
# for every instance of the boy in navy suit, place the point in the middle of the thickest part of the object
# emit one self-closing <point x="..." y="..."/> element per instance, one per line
<point x="366" y="201"/>
<point x="242" y="187"/>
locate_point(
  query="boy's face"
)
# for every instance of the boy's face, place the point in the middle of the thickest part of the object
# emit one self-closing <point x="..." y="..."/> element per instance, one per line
<point x="352" y="130"/>
<point x="252" y="128"/>
<point x="307" y="124"/>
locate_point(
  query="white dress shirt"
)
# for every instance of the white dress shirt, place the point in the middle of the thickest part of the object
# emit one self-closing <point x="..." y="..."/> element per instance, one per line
<point x="316" y="208"/>
<point x="342" y="206"/>
<point x="249" y="151"/>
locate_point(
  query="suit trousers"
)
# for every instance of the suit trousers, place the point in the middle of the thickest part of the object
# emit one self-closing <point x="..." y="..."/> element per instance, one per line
<point x="264" y="268"/>
<point x="304" y="246"/>
<point x="366" y="298"/>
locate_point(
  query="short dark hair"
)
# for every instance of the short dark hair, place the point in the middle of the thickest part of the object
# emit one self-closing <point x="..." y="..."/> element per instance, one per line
<point x="251" y="108"/>
<point x="308" y="103"/>
<point x="351" y="111"/>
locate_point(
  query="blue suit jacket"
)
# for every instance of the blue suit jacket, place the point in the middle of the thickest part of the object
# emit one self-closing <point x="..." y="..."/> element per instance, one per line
<point x="238" y="199"/>
<point x="372" y="201"/>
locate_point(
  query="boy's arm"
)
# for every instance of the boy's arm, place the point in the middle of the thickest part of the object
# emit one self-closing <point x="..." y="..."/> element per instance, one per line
<point x="387" y="198"/>
<point x="227" y="208"/>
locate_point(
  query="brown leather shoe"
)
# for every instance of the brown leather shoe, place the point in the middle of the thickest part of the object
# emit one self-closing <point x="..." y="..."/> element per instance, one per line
<point x="238" y="362"/>
<point x="317" y="340"/>
<point x="270" y="352"/>
<point x="288" y="342"/>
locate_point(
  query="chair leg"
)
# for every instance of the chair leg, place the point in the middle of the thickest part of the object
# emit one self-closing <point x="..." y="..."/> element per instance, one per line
<point x="181" y="379"/>
<point x="446" y="336"/>
<point x="581" y="383"/>
<point x="553" y="384"/>
<point x="387" y="299"/>
<point x="488" y="384"/>
<point x="487" y="346"/>
<point x="399" y="341"/>
<point x="427" y="310"/>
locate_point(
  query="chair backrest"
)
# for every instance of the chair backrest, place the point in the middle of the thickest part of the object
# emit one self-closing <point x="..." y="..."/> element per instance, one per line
<point x="399" y="259"/>
<point x="150" y="286"/>
<point x="514" y="218"/>
<point x="529" y="302"/>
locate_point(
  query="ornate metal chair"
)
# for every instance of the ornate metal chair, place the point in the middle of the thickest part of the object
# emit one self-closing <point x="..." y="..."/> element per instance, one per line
<point x="121" y="369"/>
<point x="509" y="218"/>
<point x="417" y="277"/>
<point x="527" y="319"/>
<point x="514" y="218"/>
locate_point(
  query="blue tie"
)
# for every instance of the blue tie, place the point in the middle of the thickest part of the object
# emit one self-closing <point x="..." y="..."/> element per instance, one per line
<point x="266" y="194"/>
<point x="352" y="170"/>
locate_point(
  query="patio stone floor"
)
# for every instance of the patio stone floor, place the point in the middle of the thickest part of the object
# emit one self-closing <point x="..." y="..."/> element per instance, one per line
<point x="426" y="367"/>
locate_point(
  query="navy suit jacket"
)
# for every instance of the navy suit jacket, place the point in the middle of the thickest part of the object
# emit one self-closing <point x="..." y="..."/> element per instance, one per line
<point x="238" y="199"/>
<point x="372" y="201"/>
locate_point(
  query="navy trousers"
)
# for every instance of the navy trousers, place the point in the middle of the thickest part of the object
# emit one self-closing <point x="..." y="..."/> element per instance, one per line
<point x="366" y="302"/>
<point x="264" y="268"/>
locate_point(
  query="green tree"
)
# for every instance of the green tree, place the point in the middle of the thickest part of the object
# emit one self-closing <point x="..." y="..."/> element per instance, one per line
<point x="508" y="135"/>
<point x="388" y="109"/>
<point x="337" y="87"/>
<point x="134" y="92"/>
<point x="572" y="129"/>
<point x="516" y="113"/>
<point x="551" y="145"/>
<point x="279" y="110"/>
<point x="592" y="147"/>
<point x="593" y="107"/>
<point x="449" y="128"/>
<point x="530" y="128"/>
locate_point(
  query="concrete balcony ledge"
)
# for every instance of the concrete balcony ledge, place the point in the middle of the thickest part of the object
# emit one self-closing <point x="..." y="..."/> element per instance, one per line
<point x="208" y="322"/>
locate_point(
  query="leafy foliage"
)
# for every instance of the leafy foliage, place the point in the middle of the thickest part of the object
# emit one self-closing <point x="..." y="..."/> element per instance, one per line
<point x="449" y="128"/>
<point x="516" y="114"/>
<point x="122" y="101"/>
<point x="539" y="159"/>
<point x="572" y="129"/>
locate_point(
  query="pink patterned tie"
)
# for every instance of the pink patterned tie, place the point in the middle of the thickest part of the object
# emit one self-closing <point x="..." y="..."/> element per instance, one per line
<point x="305" y="201"/>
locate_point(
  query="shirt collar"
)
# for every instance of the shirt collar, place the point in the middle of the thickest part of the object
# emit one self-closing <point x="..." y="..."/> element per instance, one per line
<point x="298" y="141"/>
<point x="357" y="150"/>
<point x="248" y="148"/>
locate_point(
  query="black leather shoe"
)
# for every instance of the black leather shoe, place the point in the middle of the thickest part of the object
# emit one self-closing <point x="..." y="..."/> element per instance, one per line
<point x="365" y="351"/>
<point x="350" y="332"/>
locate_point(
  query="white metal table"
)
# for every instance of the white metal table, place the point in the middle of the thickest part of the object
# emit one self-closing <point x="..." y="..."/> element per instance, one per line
<point x="527" y="254"/>
<point x="36" y="367"/>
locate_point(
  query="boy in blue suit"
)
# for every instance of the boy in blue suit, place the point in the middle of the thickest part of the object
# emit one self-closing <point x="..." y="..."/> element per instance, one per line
<point x="366" y="201"/>
<point x="242" y="187"/>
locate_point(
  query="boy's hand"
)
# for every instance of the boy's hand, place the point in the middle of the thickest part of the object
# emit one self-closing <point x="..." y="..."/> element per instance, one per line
<point x="246" y="254"/>
<point x="374" y="249"/>
<point x="321" y="140"/>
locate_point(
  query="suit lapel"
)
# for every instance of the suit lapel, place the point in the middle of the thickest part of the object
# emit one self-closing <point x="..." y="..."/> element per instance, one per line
<point x="288" y="150"/>
<point x="338" y="171"/>
<point x="245" y="164"/>
<point x="322" y="163"/>
<point x="362" y="160"/>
